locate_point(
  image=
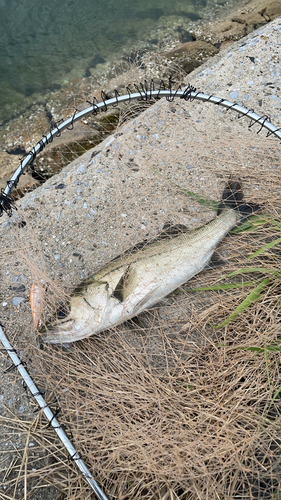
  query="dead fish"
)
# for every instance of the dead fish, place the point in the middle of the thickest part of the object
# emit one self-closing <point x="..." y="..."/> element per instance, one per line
<point x="138" y="280"/>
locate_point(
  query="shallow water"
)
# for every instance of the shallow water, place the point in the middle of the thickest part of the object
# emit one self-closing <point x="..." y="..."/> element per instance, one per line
<point x="45" y="44"/>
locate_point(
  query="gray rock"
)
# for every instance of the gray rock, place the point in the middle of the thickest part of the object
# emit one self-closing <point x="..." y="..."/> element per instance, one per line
<point x="18" y="288"/>
<point x="16" y="301"/>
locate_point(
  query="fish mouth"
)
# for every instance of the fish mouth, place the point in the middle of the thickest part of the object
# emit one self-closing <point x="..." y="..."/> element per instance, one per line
<point x="67" y="332"/>
<point x="50" y="331"/>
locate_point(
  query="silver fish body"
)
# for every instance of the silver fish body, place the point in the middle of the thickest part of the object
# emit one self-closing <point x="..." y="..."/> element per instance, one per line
<point x="130" y="284"/>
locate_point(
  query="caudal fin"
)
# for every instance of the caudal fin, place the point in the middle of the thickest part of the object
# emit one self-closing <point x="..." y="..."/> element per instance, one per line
<point x="232" y="198"/>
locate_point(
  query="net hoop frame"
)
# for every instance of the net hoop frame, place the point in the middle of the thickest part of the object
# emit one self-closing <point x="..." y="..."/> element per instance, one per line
<point x="141" y="95"/>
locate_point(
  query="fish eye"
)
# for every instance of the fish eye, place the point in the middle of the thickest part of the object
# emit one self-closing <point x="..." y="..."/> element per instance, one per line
<point x="63" y="311"/>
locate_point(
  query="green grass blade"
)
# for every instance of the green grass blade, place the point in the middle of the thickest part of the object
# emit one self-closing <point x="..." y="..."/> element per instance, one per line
<point x="273" y="348"/>
<point x="225" y="286"/>
<point x="245" y="226"/>
<point x="250" y="224"/>
<point x="214" y="205"/>
<point x="252" y="297"/>
<point x="262" y="270"/>
<point x="276" y="222"/>
<point x="273" y="399"/>
<point x="267" y="348"/>
<point x="266" y="247"/>
<point x="254" y="349"/>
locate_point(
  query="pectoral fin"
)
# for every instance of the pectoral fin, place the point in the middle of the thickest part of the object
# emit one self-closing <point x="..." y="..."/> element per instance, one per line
<point x="125" y="285"/>
<point x="142" y="304"/>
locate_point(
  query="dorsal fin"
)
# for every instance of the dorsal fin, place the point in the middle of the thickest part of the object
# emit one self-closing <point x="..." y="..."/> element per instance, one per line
<point x="168" y="231"/>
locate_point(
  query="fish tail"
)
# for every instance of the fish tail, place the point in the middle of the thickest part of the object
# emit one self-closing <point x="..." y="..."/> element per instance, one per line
<point x="232" y="198"/>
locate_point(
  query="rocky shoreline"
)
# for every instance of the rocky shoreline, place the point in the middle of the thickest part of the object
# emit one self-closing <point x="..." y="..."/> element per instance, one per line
<point x="176" y="55"/>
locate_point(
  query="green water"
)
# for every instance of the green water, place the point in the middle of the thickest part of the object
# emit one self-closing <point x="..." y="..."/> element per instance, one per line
<point x="45" y="44"/>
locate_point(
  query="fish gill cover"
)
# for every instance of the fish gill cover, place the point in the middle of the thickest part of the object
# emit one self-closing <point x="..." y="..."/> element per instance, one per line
<point x="183" y="400"/>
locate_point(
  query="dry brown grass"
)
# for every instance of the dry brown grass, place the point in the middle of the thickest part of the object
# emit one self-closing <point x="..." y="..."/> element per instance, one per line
<point x="169" y="407"/>
<point x="197" y="422"/>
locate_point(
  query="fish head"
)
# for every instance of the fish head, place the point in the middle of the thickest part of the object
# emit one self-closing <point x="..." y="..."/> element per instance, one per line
<point x="90" y="310"/>
<point x="70" y="322"/>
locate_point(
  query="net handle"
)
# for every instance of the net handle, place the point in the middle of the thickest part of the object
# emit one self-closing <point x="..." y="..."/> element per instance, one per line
<point x="51" y="417"/>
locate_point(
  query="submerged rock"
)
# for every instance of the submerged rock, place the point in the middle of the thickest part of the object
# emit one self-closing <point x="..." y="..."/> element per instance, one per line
<point x="272" y="10"/>
<point x="190" y="55"/>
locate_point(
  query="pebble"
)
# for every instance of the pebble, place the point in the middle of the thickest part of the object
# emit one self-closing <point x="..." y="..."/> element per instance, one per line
<point x="16" y="301"/>
<point x="6" y="224"/>
<point x="18" y="288"/>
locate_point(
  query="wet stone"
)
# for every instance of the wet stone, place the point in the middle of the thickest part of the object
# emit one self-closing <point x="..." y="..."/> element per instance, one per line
<point x="18" y="288"/>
